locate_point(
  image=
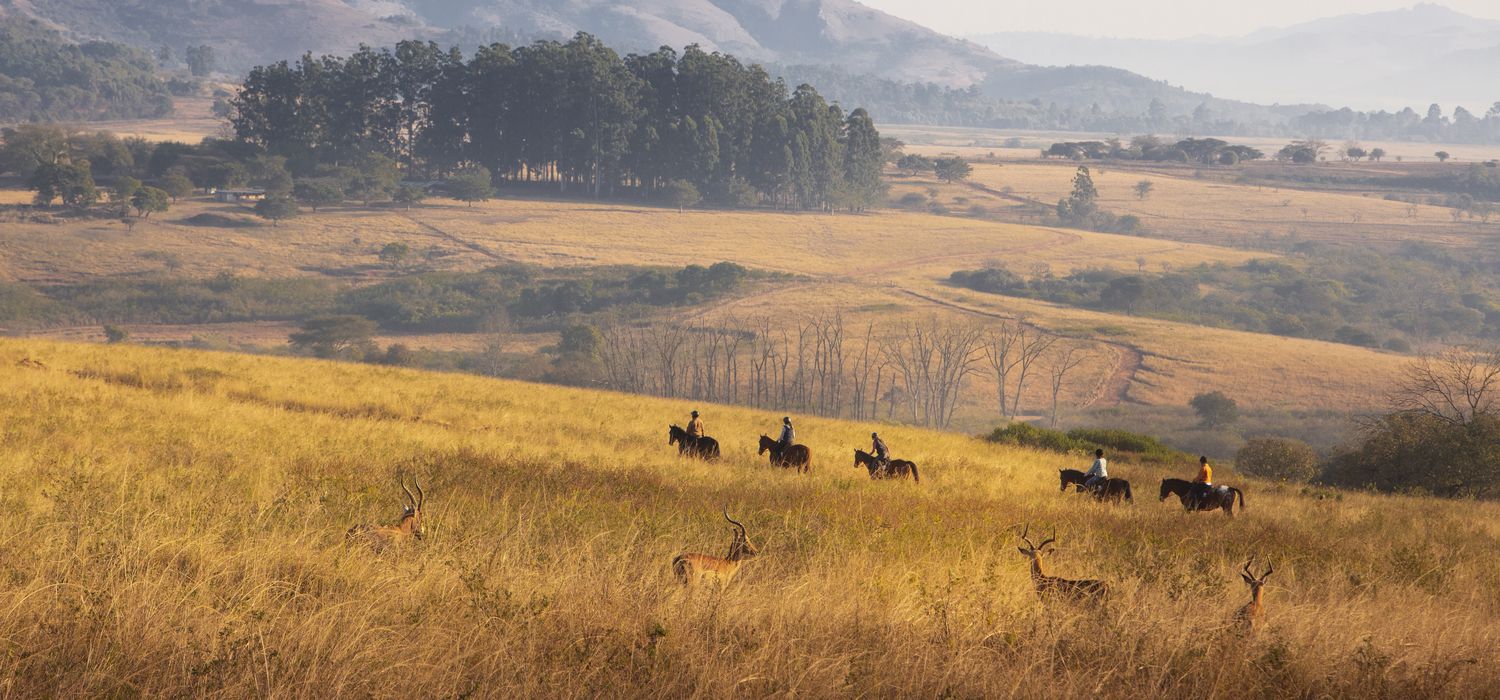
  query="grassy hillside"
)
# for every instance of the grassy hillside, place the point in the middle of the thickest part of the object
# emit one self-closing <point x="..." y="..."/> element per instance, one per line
<point x="175" y="526"/>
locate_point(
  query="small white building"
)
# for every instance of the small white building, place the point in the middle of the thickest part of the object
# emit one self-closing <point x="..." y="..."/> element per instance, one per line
<point x="232" y="196"/>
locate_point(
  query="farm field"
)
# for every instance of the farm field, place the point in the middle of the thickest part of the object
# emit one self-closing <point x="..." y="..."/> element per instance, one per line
<point x="1210" y="211"/>
<point x="204" y="497"/>
<point x="878" y="268"/>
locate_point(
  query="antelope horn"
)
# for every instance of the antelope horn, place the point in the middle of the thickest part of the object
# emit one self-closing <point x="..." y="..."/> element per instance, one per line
<point x="732" y="521"/>
<point x="1049" y="540"/>
<point x="1247" y="567"/>
<point x="409" y="497"/>
<point x="1024" y="531"/>
<point x="421" y="497"/>
<point x="1269" y="568"/>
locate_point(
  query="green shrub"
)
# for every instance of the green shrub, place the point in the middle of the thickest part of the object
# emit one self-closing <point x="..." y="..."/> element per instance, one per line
<point x="1278" y="458"/>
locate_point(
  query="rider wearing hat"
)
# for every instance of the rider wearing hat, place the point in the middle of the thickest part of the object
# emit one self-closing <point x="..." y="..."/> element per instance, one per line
<point x="787" y="435"/>
<point x="882" y="453"/>
<point x="695" y="426"/>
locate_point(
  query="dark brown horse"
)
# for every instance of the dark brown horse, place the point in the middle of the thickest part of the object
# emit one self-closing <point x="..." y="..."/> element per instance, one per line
<point x="701" y="447"/>
<point x="1114" y="490"/>
<point x="895" y="469"/>
<point x="1188" y="493"/>
<point x="795" y="456"/>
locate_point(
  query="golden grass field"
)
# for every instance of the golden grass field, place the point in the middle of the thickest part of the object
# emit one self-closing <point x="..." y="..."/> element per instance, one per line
<point x="176" y="525"/>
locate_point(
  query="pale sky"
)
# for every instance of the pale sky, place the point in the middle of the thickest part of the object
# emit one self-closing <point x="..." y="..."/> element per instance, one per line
<point x="1154" y="19"/>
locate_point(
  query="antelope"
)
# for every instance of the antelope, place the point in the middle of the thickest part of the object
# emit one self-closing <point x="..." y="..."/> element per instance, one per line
<point x="1084" y="590"/>
<point x="382" y="536"/>
<point x="698" y="568"/>
<point x="1249" y="617"/>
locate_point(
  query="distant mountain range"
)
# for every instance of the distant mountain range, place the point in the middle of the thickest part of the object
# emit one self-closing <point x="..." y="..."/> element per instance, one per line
<point x="1382" y="60"/>
<point x="838" y="33"/>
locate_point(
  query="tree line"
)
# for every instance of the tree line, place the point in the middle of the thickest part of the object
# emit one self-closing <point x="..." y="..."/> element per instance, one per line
<point x="572" y="114"/>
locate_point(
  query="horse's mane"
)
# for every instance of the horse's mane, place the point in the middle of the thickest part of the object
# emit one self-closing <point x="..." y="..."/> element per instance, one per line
<point x="1070" y="471"/>
<point x="1173" y="480"/>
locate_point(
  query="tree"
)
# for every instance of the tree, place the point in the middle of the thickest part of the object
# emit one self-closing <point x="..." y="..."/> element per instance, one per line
<point x="149" y="200"/>
<point x="375" y="177"/>
<point x="125" y="187"/>
<point x="1443" y="156"/>
<point x="952" y="169"/>
<point x="1215" y="409"/>
<point x="1284" y="459"/>
<point x="681" y="194"/>
<point x="1079" y="207"/>
<point x="863" y="185"/>
<point x="320" y="192"/>
<point x="1376" y="154"/>
<point x="200" y="60"/>
<point x="1355" y="153"/>
<point x="73" y="183"/>
<point x="1453" y="386"/>
<point x="115" y="334"/>
<point x="1067" y="358"/>
<point x="177" y="185"/>
<point x="407" y="195"/>
<point x="331" y="336"/>
<point x="1143" y="189"/>
<point x="276" y="209"/>
<point x="395" y="253"/>
<point x="471" y="184"/>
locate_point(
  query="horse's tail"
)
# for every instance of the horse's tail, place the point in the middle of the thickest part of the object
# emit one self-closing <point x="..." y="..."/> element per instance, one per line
<point x="713" y="448"/>
<point x="806" y="459"/>
<point x="1128" y="496"/>
<point x="1241" y="494"/>
<point x="915" y="478"/>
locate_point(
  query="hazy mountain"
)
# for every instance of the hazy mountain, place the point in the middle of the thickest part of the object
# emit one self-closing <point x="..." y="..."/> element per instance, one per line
<point x="838" y="33"/>
<point x="1382" y="60"/>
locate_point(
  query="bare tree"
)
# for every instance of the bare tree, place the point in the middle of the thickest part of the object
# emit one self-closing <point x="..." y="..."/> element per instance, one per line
<point x="1031" y="345"/>
<point x="1065" y="359"/>
<point x="1003" y="356"/>
<point x="1453" y="386"/>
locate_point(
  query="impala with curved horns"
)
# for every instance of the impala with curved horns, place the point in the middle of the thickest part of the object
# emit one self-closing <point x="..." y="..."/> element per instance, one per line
<point x="409" y="527"/>
<point x="1249" y="617"/>
<point x="700" y="568"/>
<point x="1085" y="589"/>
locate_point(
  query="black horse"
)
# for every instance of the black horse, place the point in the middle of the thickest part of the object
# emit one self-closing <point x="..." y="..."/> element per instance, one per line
<point x="1188" y="492"/>
<point x="795" y="456"/>
<point x="1112" y="489"/>
<point x="895" y="469"/>
<point x="701" y="447"/>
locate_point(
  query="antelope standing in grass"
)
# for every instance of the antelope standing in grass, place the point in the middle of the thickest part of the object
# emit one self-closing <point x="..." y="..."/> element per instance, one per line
<point x="1249" y="617"/>
<point x="1084" y="590"/>
<point x="410" y="526"/>
<point x="699" y="568"/>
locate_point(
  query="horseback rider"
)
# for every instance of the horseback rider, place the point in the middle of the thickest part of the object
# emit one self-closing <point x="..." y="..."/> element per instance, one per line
<point x="882" y="453"/>
<point x="784" y="442"/>
<point x="695" y="427"/>
<point x="1204" y="484"/>
<point x="1097" y="474"/>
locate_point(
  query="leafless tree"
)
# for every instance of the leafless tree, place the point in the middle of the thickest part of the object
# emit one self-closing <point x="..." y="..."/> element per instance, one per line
<point x="1030" y="346"/>
<point x="1453" y="386"/>
<point x="1002" y="354"/>
<point x="933" y="358"/>
<point x="1066" y="358"/>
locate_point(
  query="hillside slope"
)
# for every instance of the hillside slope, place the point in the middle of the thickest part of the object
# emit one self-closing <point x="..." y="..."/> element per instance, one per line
<point x="204" y="497"/>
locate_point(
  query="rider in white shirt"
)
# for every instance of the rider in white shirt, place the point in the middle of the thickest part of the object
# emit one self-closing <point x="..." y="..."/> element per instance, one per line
<point x="1098" y="473"/>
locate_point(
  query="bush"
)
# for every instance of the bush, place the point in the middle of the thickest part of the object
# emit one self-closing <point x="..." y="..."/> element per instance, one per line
<point x="1144" y="448"/>
<point x="1215" y="409"/>
<point x="1278" y="458"/>
<point x="912" y="200"/>
<point x="1028" y="435"/>
<point x="115" y="334"/>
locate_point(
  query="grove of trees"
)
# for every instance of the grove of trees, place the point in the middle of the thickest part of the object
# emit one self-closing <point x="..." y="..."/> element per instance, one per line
<point x="43" y="77"/>
<point x="574" y="115"/>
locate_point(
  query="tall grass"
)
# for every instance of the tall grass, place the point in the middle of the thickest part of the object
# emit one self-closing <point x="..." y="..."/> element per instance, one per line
<point x="174" y="526"/>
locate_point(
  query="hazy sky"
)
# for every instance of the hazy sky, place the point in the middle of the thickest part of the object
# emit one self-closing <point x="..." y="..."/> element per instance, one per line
<point x="1155" y="19"/>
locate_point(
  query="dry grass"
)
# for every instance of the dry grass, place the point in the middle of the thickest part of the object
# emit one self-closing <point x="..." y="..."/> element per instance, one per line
<point x="870" y="266"/>
<point x="1211" y="211"/>
<point x="175" y="525"/>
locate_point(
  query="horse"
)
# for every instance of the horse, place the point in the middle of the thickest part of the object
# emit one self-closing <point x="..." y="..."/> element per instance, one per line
<point x="795" y="456"/>
<point x="1113" y="489"/>
<point x="895" y="469"/>
<point x="701" y="447"/>
<point x="1219" y="497"/>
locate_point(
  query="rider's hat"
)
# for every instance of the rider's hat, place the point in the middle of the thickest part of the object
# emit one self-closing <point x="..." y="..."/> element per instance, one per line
<point x="874" y="435"/>
<point x="695" y="414"/>
<point x="786" y="419"/>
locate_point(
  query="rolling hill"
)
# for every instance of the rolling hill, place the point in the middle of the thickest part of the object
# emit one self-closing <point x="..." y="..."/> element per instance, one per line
<point x="204" y="497"/>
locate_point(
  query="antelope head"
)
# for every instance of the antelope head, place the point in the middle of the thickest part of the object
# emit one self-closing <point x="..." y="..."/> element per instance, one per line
<point x="1034" y="551"/>
<point x="411" y="513"/>
<point x="1256" y="583"/>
